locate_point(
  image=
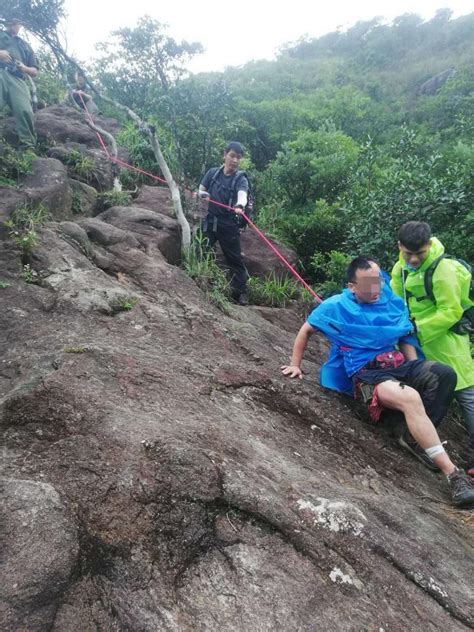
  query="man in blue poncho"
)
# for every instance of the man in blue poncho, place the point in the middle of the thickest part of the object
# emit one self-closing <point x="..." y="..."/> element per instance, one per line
<point x="374" y="355"/>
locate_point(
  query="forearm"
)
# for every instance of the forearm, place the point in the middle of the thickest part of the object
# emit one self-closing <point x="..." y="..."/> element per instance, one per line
<point x="300" y="344"/>
<point x="31" y="71"/>
<point x="242" y="199"/>
<point x="409" y="351"/>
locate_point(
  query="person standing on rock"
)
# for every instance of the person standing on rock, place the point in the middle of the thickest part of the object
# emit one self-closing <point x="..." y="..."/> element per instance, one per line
<point x="436" y="289"/>
<point x="229" y="187"/>
<point x="17" y="63"/>
<point x="374" y="356"/>
<point x="81" y="94"/>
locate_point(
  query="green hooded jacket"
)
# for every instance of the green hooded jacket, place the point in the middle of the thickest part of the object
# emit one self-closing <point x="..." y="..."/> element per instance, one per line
<point x="451" y="284"/>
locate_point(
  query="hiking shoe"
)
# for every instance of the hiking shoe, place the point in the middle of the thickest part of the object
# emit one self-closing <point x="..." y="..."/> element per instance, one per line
<point x="407" y="442"/>
<point x="462" y="489"/>
<point x="243" y="299"/>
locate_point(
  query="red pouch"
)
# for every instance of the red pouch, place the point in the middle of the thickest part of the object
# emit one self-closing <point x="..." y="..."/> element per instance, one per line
<point x="389" y="360"/>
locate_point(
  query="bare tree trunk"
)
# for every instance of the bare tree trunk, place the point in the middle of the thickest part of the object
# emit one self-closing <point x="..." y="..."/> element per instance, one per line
<point x="160" y="159"/>
<point x="61" y="55"/>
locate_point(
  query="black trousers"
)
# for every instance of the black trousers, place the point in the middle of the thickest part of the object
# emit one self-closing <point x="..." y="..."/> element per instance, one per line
<point x="225" y="230"/>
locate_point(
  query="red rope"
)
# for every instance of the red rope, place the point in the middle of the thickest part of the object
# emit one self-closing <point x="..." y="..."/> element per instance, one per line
<point x="265" y="239"/>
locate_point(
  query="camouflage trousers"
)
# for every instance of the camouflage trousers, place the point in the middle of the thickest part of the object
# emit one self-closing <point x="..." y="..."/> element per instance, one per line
<point x="15" y="93"/>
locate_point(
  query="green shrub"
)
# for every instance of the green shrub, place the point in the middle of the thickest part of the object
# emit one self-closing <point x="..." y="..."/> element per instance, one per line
<point x="49" y="83"/>
<point x="319" y="228"/>
<point x="113" y="198"/>
<point x="141" y="155"/>
<point x="315" y="165"/>
<point x="437" y="188"/>
<point x="81" y="165"/>
<point x="330" y="268"/>
<point x="124" y="304"/>
<point x="22" y="225"/>
<point x="200" y="265"/>
<point x="273" y="291"/>
<point x="29" y="275"/>
<point x="14" y="164"/>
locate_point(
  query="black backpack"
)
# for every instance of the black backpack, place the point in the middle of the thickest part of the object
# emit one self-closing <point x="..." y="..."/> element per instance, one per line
<point x="249" y="208"/>
<point x="466" y="323"/>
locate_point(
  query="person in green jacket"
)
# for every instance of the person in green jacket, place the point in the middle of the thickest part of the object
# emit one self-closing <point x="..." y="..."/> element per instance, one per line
<point x="17" y="63"/>
<point x="434" y="320"/>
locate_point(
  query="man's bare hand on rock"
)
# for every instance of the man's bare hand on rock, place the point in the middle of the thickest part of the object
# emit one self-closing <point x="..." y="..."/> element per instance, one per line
<point x="292" y="371"/>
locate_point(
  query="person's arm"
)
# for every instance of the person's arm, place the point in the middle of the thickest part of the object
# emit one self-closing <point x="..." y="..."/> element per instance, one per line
<point x="449" y="310"/>
<point x="241" y="201"/>
<point x="409" y="351"/>
<point x="32" y="71"/>
<point x="299" y="347"/>
<point x="5" y="57"/>
<point x="202" y="193"/>
<point x="242" y="195"/>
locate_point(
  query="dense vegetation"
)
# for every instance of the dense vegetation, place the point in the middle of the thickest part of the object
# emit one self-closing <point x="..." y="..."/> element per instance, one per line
<point x="345" y="141"/>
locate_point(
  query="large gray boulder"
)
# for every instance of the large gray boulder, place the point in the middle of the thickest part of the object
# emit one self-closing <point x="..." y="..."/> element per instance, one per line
<point x="39" y="542"/>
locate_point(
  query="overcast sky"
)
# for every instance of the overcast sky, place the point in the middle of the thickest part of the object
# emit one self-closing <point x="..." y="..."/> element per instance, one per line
<point x="234" y="33"/>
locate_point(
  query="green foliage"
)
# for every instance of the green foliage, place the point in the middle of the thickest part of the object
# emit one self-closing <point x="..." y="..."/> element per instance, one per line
<point x="141" y="155"/>
<point x="49" y="82"/>
<point x="40" y="16"/>
<point x="200" y="265"/>
<point x="14" y="164"/>
<point x="330" y="268"/>
<point x="4" y="284"/>
<point x="315" y="165"/>
<point x="125" y="58"/>
<point x="22" y="225"/>
<point x="76" y="206"/>
<point x="81" y="166"/>
<point x="113" y="198"/>
<point x="273" y="291"/>
<point x="126" y="304"/>
<point x="29" y="275"/>
<point x="320" y="227"/>
<point x="437" y="188"/>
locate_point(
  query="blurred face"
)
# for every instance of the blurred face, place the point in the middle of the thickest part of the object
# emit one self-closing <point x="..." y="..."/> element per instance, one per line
<point x="368" y="284"/>
<point x="231" y="162"/>
<point x="14" y="28"/>
<point x="80" y="81"/>
<point x="415" y="258"/>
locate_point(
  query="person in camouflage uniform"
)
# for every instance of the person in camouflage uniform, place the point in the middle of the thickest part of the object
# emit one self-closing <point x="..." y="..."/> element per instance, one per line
<point x="17" y="62"/>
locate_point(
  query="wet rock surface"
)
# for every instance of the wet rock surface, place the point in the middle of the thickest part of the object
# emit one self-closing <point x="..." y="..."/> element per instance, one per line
<point x="159" y="473"/>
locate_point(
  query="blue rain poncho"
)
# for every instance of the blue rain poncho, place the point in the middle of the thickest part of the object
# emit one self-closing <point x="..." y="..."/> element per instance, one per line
<point x="358" y="332"/>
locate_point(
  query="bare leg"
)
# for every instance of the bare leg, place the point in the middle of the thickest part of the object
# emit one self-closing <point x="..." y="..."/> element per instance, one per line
<point x="406" y="399"/>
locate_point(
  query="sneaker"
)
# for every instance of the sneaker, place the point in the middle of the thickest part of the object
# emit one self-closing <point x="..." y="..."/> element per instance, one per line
<point x="462" y="489"/>
<point x="407" y="442"/>
<point x="242" y="299"/>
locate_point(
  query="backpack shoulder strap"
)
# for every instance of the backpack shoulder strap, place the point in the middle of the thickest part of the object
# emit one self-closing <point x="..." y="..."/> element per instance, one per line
<point x="215" y="175"/>
<point x="428" y="278"/>
<point x="236" y="179"/>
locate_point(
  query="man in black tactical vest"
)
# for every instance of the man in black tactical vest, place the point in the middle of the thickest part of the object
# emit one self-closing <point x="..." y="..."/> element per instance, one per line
<point x="17" y="63"/>
<point x="229" y="187"/>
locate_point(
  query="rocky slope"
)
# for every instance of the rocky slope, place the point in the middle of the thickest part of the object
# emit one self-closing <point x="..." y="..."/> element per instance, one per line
<point x="159" y="474"/>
